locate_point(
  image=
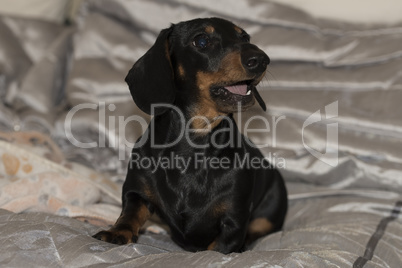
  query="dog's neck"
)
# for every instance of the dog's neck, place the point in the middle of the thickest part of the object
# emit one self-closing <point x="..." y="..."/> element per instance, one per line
<point x="204" y="121"/>
<point x="172" y="123"/>
<point x="200" y="113"/>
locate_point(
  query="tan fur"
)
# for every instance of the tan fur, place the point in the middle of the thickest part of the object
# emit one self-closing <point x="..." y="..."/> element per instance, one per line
<point x="135" y="221"/>
<point x="181" y="71"/>
<point x="220" y="208"/>
<point x="230" y="70"/>
<point x="209" y="29"/>
<point x="260" y="227"/>
<point x="212" y="245"/>
<point x="238" y="29"/>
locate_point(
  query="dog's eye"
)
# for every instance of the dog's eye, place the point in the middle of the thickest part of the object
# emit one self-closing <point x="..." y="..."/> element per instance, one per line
<point x="201" y="41"/>
<point x="245" y="38"/>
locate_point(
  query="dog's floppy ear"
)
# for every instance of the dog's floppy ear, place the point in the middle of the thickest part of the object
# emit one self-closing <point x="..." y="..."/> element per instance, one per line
<point x="151" y="79"/>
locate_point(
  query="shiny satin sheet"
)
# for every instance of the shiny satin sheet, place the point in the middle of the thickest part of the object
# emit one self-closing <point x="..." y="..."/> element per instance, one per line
<point x="333" y="127"/>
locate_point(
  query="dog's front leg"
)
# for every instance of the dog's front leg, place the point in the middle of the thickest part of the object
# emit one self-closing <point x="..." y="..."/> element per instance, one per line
<point x="135" y="213"/>
<point x="231" y="237"/>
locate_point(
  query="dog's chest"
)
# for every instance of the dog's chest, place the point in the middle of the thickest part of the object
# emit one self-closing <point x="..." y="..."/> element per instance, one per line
<point x="193" y="223"/>
<point x="187" y="200"/>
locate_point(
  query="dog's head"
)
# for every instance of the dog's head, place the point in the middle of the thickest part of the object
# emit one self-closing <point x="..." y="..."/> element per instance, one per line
<point x="206" y="65"/>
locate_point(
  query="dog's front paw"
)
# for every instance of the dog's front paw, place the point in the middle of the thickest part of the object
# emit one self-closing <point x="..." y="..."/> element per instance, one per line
<point x="118" y="237"/>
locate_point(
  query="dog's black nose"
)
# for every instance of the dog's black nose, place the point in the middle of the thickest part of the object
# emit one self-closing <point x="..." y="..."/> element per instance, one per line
<point x="254" y="59"/>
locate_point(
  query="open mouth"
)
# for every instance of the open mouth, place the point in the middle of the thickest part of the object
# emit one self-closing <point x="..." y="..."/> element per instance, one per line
<point x="242" y="92"/>
<point x="242" y="88"/>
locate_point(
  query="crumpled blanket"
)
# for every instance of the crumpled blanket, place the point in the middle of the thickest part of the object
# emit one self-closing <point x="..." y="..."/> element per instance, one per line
<point x="333" y="238"/>
<point x="36" y="177"/>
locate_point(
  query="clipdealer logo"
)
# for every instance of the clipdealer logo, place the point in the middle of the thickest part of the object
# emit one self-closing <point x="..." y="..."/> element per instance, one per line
<point x="114" y="128"/>
<point x="330" y="155"/>
<point x="199" y="161"/>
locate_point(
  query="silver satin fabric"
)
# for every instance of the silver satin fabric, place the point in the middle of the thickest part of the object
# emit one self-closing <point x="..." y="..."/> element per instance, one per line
<point x="47" y="69"/>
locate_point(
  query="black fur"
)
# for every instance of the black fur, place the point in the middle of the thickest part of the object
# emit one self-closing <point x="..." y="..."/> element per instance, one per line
<point x="205" y="207"/>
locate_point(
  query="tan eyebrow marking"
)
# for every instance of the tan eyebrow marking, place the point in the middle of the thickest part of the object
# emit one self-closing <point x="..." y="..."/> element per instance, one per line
<point x="209" y="29"/>
<point x="238" y="29"/>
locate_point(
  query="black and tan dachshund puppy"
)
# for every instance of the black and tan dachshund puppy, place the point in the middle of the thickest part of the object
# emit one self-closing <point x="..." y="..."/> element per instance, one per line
<point x="195" y="76"/>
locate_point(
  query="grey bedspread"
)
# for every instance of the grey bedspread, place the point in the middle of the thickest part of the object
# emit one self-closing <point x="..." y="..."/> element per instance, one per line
<point x="333" y="128"/>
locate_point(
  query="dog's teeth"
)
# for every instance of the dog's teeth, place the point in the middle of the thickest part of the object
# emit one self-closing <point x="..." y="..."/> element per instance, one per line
<point x="249" y="92"/>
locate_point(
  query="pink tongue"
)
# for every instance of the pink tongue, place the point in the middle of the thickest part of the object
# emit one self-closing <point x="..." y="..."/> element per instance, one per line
<point x="238" y="89"/>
